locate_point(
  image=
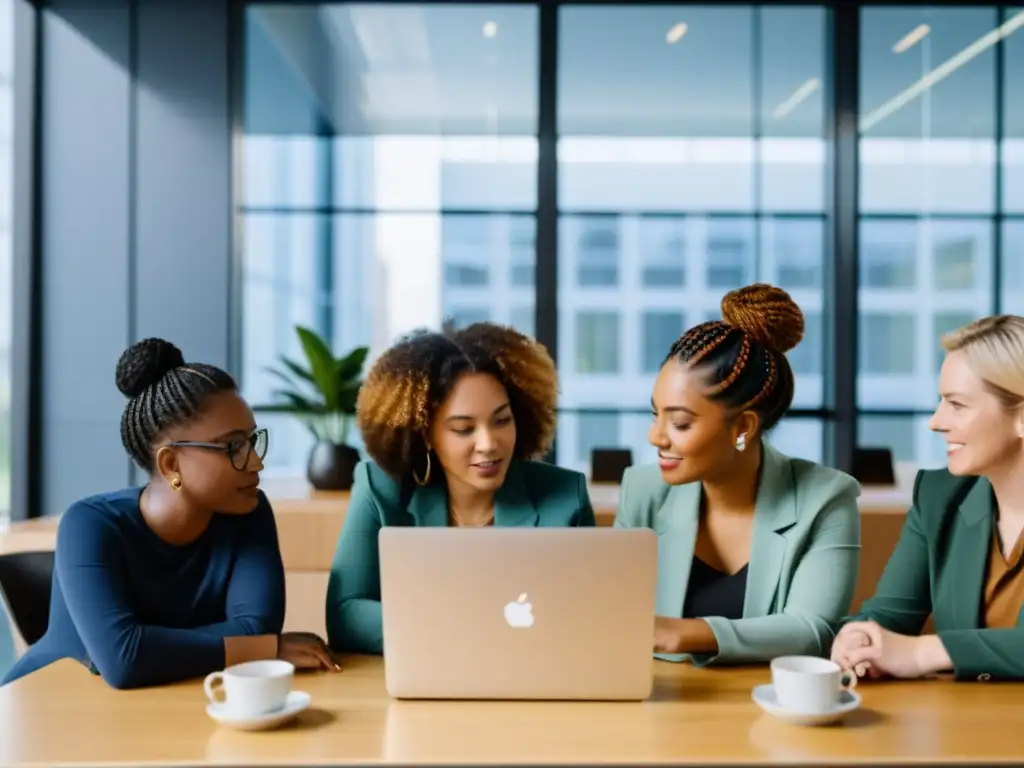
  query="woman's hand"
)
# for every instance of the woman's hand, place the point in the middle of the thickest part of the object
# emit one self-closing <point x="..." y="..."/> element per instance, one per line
<point x="667" y="637"/>
<point x="848" y="640"/>
<point x="889" y="653"/>
<point x="306" y="651"/>
<point x="683" y="636"/>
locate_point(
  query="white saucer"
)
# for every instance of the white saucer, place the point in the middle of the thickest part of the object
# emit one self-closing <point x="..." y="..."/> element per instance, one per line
<point x="764" y="697"/>
<point x="293" y="705"/>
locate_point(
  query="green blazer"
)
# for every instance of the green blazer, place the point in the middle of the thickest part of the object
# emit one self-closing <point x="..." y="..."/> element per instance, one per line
<point x="938" y="568"/>
<point x="533" y="494"/>
<point x="803" y="561"/>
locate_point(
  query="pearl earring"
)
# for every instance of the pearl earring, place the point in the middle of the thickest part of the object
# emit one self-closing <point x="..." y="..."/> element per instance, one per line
<point x="741" y="442"/>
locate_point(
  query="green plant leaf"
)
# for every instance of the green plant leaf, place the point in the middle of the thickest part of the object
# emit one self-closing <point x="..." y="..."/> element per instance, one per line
<point x="351" y="366"/>
<point x="296" y="369"/>
<point x="299" y="404"/>
<point x="348" y="397"/>
<point x="322" y="366"/>
<point x="284" y="377"/>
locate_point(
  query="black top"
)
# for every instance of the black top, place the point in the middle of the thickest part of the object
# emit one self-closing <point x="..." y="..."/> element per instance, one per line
<point x="714" y="593"/>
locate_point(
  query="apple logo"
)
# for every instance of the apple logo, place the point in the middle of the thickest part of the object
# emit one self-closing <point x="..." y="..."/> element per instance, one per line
<point x="519" y="614"/>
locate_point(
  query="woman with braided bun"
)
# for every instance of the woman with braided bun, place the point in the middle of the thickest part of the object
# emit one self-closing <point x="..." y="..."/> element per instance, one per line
<point x="452" y="421"/>
<point x="757" y="551"/>
<point x="183" y="576"/>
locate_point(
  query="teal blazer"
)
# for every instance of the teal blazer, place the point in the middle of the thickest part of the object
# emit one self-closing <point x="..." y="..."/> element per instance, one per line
<point x="938" y="568"/>
<point x="803" y="560"/>
<point x="533" y="495"/>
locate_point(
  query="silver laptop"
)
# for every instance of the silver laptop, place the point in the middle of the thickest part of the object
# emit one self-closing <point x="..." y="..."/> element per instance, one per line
<point x="518" y="613"/>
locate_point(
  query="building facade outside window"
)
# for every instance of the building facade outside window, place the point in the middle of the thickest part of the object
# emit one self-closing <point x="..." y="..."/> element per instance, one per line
<point x="406" y="192"/>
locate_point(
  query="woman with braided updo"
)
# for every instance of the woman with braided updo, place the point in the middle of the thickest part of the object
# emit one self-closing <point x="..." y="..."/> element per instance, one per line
<point x="183" y="576"/>
<point x="452" y="421"/>
<point x="758" y="552"/>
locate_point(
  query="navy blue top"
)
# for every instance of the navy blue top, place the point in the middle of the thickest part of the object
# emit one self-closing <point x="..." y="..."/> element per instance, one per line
<point x="712" y="592"/>
<point x="140" y="611"/>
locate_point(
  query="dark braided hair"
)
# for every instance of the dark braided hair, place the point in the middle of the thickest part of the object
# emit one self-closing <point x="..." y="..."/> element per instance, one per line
<point x="745" y="351"/>
<point x="163" y="392"/>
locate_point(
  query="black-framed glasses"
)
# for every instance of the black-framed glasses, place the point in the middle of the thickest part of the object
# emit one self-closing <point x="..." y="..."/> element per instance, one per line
<point x="237" y="449"/>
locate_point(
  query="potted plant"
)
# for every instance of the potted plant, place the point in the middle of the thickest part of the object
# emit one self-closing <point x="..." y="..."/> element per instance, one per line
<point x="322" y="394"/>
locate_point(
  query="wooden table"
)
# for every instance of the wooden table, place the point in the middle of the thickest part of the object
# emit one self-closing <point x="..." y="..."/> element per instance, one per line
<point x="309" y="523"/>
<point x="62" y="715"/>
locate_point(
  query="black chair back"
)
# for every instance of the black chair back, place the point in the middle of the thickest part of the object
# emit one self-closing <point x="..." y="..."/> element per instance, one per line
<point x="607" y="465"/>
<point x="874" y="466"/>
<point x="25" y="584"/>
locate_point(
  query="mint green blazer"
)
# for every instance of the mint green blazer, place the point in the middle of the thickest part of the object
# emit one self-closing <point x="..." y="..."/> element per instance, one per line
<point x="939" y="568"/>
<point x="534" y="494"/>
<point x="803" y="561"/>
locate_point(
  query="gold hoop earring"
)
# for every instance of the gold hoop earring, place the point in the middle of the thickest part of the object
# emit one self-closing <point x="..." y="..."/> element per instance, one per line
<point x="426" y="475"/>
<point x="176" y="483"/>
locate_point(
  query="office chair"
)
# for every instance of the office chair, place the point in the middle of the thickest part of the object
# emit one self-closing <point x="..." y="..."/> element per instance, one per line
<point x="25" y="584"/>
<point x="607" y="465"/>
<point x="874" y="466"/>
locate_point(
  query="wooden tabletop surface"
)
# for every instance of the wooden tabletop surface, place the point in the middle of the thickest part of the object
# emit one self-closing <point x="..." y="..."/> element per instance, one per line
<point x="62" y="715"/>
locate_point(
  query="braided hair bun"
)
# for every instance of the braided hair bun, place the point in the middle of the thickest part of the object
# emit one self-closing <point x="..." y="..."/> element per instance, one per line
<point x="767" y="313"/>
<point x="144" y="363"/>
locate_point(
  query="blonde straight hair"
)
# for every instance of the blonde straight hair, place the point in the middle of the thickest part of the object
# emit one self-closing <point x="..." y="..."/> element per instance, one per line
<point x="994" y="349"/>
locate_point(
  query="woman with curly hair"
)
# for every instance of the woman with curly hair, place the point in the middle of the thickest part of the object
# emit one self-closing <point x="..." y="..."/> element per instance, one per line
<point x="452" y="422"/>
<point x="758" y="552"/>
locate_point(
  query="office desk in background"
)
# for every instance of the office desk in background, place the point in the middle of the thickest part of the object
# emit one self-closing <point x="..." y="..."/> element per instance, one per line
<point x="63" y="715"/>
<point x="310" y="521"/>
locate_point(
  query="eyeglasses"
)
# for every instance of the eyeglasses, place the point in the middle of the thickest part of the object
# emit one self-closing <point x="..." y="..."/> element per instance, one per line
<point x="238" y="450"/>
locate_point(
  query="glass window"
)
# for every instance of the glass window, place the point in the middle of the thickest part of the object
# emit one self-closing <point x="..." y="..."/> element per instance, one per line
<point x="908" y="437"/>
<point x="523" y="320"/>
<point x="522" y="240"/>
<point x="792" y="122"/>
<point x="390" y="187"/>
<point x="801" y="438"/>
<point x="795" y="247"/>
<point x="465" y="275"/>
<point x="1013" y="266"/>
<point x="954" y="262"/>
<point x="806" y="358"/>
<point x="466" y="316"/>
<point x="887" y="343"/>
<point x="946" y="322"/>
<point x="660" y="331"/>
<point x="730" y="253"/>
<point x="672" y="190"/>
<point x="671" y="149"/>
<point x="596" y="430"/>
<point x="927" y="109"/>
<point x="914" y="269"/>
<point x="888" y="254"/>
<point x="897" y="433"/>
<point x="7" y="192"/>
<point x="466" y="241"/>
<point x="1013" y="111"/>
<point x="663" y="250"/>
<point x="597" y="252"/>
<point x="597" y="342"/>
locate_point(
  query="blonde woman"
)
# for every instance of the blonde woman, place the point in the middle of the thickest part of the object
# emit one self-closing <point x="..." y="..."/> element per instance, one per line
<point x="959" y="557"/>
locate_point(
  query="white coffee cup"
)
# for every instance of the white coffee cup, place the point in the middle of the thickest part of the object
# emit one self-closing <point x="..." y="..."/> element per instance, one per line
<point x="252" y="689"/>
<point x="808" y="684"/>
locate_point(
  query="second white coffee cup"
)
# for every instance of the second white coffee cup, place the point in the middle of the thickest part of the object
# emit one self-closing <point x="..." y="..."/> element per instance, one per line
<point x="808" y="684"/>
<point x="251" y="689"/>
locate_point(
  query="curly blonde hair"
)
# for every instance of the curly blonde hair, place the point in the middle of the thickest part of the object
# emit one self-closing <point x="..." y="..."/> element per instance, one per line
<point x="409" y="382"/>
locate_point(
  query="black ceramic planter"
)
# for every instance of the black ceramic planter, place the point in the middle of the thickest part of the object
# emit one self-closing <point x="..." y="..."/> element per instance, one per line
<point x="332" y="467"/>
